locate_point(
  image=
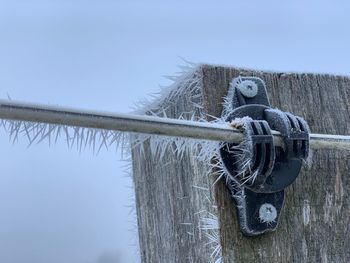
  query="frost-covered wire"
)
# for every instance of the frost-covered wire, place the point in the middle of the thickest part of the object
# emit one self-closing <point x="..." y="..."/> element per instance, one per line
<point x="44" y="119"/>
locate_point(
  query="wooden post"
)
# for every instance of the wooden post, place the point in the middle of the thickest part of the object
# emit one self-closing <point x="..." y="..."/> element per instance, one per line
<point x="173" y="196"/>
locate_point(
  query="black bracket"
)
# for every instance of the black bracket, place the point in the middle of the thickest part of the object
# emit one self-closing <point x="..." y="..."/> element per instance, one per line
<point x="257" y="171"/>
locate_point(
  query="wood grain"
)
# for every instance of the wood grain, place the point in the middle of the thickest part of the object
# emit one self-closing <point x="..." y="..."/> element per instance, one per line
<point x="315" y="222"/>
<point x="172" y="196"/>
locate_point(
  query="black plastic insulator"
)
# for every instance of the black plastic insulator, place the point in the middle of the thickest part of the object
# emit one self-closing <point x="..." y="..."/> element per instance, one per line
<point x="257" y="171"/>
<point x="251" y="167"/>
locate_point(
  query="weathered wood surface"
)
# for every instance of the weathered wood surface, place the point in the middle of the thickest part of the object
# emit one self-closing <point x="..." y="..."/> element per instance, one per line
<point x="315" y="222"/>
<point x="172" y="196"/>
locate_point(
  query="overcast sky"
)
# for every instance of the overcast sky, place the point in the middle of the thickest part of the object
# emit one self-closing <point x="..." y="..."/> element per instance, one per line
<point x="58" y="205"/>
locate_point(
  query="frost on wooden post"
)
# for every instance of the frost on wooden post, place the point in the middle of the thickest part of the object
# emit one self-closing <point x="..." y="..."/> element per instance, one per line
<point x="186" y="90"/>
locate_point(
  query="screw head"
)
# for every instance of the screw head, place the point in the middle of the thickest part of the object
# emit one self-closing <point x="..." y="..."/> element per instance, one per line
<point x="248" y="88"/>
<point x="267" y="213"/>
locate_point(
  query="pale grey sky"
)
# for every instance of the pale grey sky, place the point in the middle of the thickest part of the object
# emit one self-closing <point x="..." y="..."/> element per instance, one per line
<point x="59" y="205"/>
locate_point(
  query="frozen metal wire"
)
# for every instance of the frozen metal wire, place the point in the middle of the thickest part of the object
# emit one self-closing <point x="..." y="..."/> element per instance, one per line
<point x="20" y="111"/>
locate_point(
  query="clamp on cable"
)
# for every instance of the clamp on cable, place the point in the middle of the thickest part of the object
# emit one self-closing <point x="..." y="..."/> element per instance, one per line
<point x="257" y="172"/>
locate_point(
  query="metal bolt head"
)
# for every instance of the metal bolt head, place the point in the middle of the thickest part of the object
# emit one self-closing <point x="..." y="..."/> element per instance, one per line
<point x="248" y="88"/>
<point x="267" y="213"/>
